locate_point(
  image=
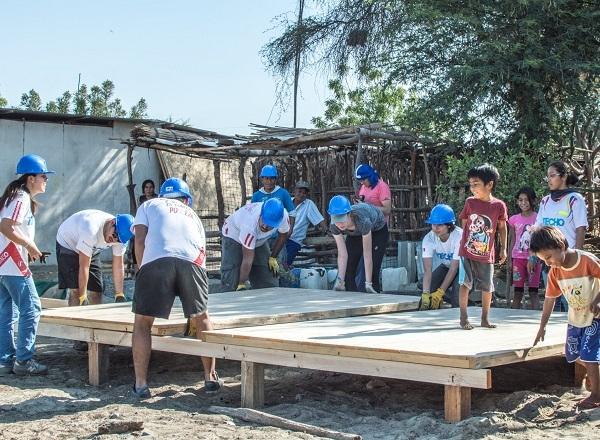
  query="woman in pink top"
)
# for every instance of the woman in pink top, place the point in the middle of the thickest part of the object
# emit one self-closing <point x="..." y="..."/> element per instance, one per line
<point x="524" y="266"/>
<point x="374" y="190"/>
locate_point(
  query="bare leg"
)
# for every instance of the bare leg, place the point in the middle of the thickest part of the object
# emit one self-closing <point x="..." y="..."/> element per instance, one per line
<point x="517" y="298"/>
<point x="203" y="323"/>
<point x="141" y="346"/>
<point x="486" y="301"/>
<point x="593" y="375"/>
<point x="463" y="302"/>
<point x="534" y="298"/>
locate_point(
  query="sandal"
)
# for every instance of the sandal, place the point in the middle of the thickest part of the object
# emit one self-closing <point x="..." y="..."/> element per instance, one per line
<point x="213" y="386"/>
<point x="587" y="404"/>
<point x="143" y="392"/>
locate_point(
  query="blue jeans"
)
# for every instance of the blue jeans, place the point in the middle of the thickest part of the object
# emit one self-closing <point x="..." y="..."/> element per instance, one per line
<point x="292" y="249"/>
<point x="18" y="300"/>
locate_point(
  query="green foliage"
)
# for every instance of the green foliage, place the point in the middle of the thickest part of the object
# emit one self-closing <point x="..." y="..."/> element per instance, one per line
<point x="31" y="101"/>
<point x="3" y="102"/>
<point x="509" y="72"/>
<point x="517" y="168"/>
<point x="98" y="101"/>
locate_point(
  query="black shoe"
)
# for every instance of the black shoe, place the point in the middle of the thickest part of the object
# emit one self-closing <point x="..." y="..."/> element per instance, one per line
<point x="143" y="392"/>
<point x="30" y="368"/>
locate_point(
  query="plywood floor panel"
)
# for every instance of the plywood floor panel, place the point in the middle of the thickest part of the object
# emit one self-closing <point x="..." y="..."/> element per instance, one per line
<point x="249" y="308"/>
<point x="431" y="337"/>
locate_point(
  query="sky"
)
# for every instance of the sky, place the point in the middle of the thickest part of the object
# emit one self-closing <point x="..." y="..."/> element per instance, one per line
<point x="195" y="61"/>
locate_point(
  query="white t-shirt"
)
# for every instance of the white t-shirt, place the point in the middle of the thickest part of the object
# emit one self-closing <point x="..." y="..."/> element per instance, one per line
<point x="174" y="230"/>
<point x="306" y="212"/>
<point x="242" y="226"/>
<point x="13" y="257"/>
<point x="568" y="214"/>
<point x="83" y="232"/>
<point x="445" y="251"/>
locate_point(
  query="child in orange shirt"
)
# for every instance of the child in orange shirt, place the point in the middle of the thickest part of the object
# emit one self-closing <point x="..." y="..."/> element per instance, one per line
<point x="576" y="275"/>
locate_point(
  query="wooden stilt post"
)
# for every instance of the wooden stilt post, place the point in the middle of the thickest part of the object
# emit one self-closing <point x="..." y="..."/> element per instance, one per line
<point x="98" y="362"/>
<point x="242" y="177"/>
<point x="130" y="184"/>
<point x="457" y="403"/>
<point x="253" y="385"/>
<point x="219" y="191"/>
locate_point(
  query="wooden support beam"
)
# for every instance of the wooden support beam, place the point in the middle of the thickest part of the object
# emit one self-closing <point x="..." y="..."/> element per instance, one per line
<point x="457" y="403"/>
<point x="253" y="385"/>
<point x="98" y="361"/>
<point x="219" y="191"/>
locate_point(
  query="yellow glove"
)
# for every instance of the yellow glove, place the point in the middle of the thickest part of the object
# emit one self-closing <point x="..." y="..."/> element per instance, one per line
<point x="83" y="299"/>
<point x="120" y="297"/>
<point x="437" y="298"/>
<point x="241" y="287"/>
<point x="425" y="302"/>
<point x="274" y="266"/>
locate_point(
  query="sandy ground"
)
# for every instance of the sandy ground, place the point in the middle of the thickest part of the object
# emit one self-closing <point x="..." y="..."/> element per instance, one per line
<point x="532" y="400"/>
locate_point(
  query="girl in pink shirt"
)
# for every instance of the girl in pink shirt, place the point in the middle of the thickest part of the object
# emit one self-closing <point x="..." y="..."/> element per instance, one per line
<point x="524" y="267"/>
<point x="373" y="190"/>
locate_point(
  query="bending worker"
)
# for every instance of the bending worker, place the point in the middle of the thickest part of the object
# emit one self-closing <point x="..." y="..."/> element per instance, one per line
<point x="367" y="237"/>
<point x="171" y="247"/>
<point x="79" y="241"/>
<point x="443" y="244"/>
<point x="246" y="254"/>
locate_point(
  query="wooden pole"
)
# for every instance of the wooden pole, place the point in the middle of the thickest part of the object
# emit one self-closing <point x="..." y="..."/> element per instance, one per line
<point x="242" y="177"/>
<point x="357" y="160"/>
<point x="427" y="177"/>
<point x="219" y="190"/>
<point x="131" y="185"/>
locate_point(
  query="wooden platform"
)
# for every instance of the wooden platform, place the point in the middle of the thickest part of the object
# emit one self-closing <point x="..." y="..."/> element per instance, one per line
<point x="420" y="346"/>
<point x="240" y="309"/>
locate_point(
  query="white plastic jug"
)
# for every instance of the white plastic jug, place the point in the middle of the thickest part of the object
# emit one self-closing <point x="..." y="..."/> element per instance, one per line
<point x="331" y="277"/>
<point x="313" y="278"/>
<point x="393" y="279"/>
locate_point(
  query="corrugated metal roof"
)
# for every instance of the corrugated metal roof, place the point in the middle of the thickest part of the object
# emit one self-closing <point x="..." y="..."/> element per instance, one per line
<point x="67" y="118"/>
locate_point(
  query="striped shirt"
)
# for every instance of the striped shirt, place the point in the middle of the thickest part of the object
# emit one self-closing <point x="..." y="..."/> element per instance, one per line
<point x="242" y="226"/>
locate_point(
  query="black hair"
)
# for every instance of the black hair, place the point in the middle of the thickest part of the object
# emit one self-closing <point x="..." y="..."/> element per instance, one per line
<point x="13" y="188"/>
<point x="562" y="169"/>
<point x="530" y="193"/>
<point x="451" y="227"/>
<point x="147" y="181"/>
<point x="547" y="238"/>
<point x="486" y="172"/>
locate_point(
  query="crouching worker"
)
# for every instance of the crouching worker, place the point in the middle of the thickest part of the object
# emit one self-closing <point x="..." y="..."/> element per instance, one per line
<point x="245" y="253"/>
<point x="171" y="247"/>
<point x="443" y="243"/>
<point x="575" y="274"/>
<point x="366" y="236"/>
<point x="79" y="241"/>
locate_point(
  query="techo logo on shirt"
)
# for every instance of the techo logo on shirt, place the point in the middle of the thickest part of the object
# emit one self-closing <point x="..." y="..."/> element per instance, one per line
<point x="558" y="222"/>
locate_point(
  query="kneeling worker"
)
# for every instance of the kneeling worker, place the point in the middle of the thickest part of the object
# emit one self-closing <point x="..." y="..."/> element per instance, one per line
<point x="442" y="242"/>
<point x="79" y="241"/>
<point x="170" y="245"/>
<point x="245" y="253"/>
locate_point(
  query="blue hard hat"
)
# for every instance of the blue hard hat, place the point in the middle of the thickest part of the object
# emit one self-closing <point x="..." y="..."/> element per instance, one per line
<point x="123" y="224"/>
<point x="441" y="214"/>
<point x="271" y="212"/>
<point x="32" y="164"/>
<point x="174" y="188"/>
<point x="363" y="171"/>
<point x="268" y="171"/>
<point x="339" y="205"/>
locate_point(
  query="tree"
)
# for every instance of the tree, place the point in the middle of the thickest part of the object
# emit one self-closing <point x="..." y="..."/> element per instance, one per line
<point x="3" y="102"/>
<point x="31" y="101"/>
<point x="511" y="71"/>
<point x="98" y="101"/>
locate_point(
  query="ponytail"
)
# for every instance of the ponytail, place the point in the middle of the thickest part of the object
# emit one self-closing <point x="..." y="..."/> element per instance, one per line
<point x="12" y="190"/>
<point x="562" y="169"/>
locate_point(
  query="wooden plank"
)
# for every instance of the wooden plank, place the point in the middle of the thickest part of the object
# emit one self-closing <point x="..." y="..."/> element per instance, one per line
<point x="457" y="403"/>
<point x="250" y="308"/>
<point x="98" y="362"/>
<point x="52" y="303"/>
<point x="253" y="385"/>
<point x="430" y="337"/>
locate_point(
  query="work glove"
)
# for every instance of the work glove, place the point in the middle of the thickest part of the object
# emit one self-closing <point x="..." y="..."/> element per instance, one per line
<point x="120" y="297"/>
<point x="339" y="285"/>
<point x="44" y="256"/>
<point x="241" y="287"/>
<point x="437" y="298"/>
<point x="83" y="300"/>
<point x="425" y="302"/>
<point x="274" y="266"/>
<point x="369" y="287"/>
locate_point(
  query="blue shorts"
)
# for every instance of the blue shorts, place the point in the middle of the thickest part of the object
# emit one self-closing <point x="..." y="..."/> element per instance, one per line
<point x="583" y="343"/>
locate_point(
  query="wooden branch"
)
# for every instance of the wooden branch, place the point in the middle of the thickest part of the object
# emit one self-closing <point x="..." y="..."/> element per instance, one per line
<point x="242" y="177"/>
<point x="130" y="184"/>
<point x="357" y="161"/>
<point x="254" y="416"/>
<point x="219" y="190"/>
<point x="427" y="177"/>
